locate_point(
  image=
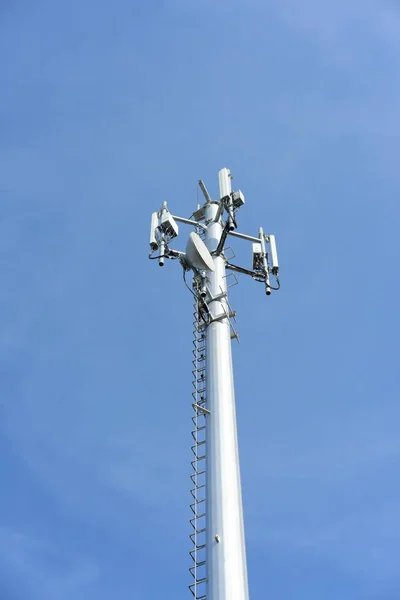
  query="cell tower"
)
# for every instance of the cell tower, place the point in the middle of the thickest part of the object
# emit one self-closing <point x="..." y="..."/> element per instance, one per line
<point x="218" y="553"/>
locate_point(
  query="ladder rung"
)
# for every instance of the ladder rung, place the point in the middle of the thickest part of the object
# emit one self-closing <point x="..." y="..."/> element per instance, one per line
<point x="203" y="597"/>
<point x="195" y="476"/>
<point x="202" y="457"/>
<point x="199" y="473"/>
<point x="195" y="422"/>
<point x="191" y="521"/>
<point x="199" y="581"/>
<point x="194" y="505"/>
<point x="193" y="540"/>
<point x="198" y="484"/>
<point x="196" y="533"/>
<point x="198" y="479"/>
<point x="198" y="487"/>
<point x="196" y="460"/>
<point x="198" y="563"/>
<point x="197" y="444"/>
<point x="197" y="457"/>
<point x="197" y="433"/>
<point x="198" y="429"/>
<point x="197" y="549"/>
<point x="199" y="392"/>
<point x="198" y="441"/>
<point x="197" y="502"/>
<point x="197" y="499"/>
<point x="193" y="509"/>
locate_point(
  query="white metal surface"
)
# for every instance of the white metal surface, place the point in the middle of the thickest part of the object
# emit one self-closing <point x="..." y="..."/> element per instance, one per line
<point x="226" y="554"/>
<point x="274" y="255"/>
<point x="225" y="186"/>
<point x="153" y="227"/>
<point x="197" y="254"/>
<point x="265" y="260"/>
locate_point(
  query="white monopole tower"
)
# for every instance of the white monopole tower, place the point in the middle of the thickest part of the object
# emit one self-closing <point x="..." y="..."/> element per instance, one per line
<point x="219" y="568"/>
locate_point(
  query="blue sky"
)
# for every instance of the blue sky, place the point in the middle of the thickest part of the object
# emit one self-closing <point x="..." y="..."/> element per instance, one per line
<point x="107" y="109"/>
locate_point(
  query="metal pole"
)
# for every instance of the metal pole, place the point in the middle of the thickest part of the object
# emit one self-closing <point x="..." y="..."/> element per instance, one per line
<point x="226" y="554"/>
<point x="189" y="222"/>
<point x="249" y="238"/>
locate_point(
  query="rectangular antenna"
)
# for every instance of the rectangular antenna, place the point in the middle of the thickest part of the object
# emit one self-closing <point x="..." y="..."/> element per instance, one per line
<point x="154" y="225"/>
<point x="274" y="255"/>
<point x="225" y="186"/>
<point x="205" y="192"/>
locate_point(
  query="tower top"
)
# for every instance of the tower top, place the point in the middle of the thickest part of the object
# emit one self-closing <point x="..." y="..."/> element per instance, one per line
<point x="164" y="229"/>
